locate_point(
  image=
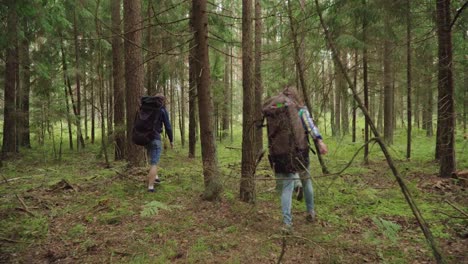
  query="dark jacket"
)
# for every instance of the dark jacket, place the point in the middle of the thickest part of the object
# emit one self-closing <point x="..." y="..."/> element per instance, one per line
<point x="164" y="119"/>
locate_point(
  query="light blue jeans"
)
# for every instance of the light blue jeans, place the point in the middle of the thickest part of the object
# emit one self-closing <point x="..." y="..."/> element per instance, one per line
<point x="286" y="185"/>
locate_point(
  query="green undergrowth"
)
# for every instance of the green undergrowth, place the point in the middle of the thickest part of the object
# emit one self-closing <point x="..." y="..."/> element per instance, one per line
<point x="82" y="211"/>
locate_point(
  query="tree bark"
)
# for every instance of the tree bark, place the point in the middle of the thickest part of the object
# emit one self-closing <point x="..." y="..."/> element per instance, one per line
<point x="446" y="110"/>
<point x="192" y="139"/>
<point x="11" y="65"/>
<point x="118" y="83"/>
<point x="79" y="137"/>
<point x="388" y="90"/>
<point x="66" y="82"/>
<point x="337" y="106"/>
<point x="258" y="137"/>
<point x="226" y="101"/>
<point x="247" y="185"/>
<point x="133" y="74"/>
<point x="24" y="132"/>
<point x="366" y="87"/>
<point x="213" y="186"/>
<point x="182" y="105"/>
<point x="408" y="78"/>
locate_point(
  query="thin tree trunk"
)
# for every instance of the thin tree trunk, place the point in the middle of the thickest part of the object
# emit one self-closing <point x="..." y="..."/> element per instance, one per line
<point x="344" y="102"/>
<point x="11" y="65"/>
<point x="337" y="107"/>
<point x="192" y="96"/>
<point x="25" y="91"/>
<point x="85" y="107"/>
<point x="446" y="110"/>
<point x="355" y="75"/>
<point x="182" y="106"/>
<point x="258" y="136"/>
<point x="213" y="186"/>
<point x="465" y="82"/>
<point x="133" y="74"/>
<point x="118" y="83"/>
<point x="388" y="91"/>
<point x="70" y="93"/>
<point x="366" y="86"/>
<point x="408" y="78"/>
<point x="226" y="103"/>
<point x="66" y="81"/>
<point x="247" y="185"/>
<point x="79" y="137"/>
<point x="93" y="112"/>
<point x="231" y="93"/>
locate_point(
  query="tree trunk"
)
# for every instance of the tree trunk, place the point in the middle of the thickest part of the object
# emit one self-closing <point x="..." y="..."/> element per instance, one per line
<point x="344" y="102"/>
<point x="133" y="74"/>
<point x="182" y="105"/>
<point x="192" y="96"/>
<point x="465" y="101"/>
<point x="66" y="82"/>
<point x="408" y="78"/>
<point x="366" y="87"/>
<point x="226" y="103"/>
<point x="258" y="137"/>
<point x="24" y="133"/>
<point x="93" y="112"/>
<point x="355" y="75"/>
<point x="79" y="137"/>
<point x="388" y="91"/>
<point x="337" y="107"/>
<point x="446" y="111"/>
<point x="247" y="185"/>
<point x="213" y="186"/>
<point x="11" y="65"/>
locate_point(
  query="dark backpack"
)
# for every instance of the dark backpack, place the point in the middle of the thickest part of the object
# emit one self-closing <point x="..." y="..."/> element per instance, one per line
<point x="287" y="140"/>
<point x="144" y="129"/>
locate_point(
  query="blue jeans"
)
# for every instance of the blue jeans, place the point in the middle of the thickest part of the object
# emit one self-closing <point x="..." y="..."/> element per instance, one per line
<point x="287" y="188"/>
<point x="154" y="150"/>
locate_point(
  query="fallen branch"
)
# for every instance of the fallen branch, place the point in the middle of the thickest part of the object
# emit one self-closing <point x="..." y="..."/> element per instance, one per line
<point x="25" y="208"/>
<point x="237" y="148"/>
<point x="456" y="208"/>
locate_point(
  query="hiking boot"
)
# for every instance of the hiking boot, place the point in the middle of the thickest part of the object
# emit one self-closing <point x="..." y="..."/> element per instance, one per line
<point x="300" y="193"/>
<point x="151" y="190"/>
<point x="157" y="181"/>
<point x="311" y="217"/>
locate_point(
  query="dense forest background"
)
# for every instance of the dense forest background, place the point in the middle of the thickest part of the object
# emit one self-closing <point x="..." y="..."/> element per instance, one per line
<point x="387" y="77"/>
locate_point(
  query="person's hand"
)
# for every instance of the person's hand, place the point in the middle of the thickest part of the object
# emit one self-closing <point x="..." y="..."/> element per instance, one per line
<point x="322" y="147"/>
<point x="172" y="145"/>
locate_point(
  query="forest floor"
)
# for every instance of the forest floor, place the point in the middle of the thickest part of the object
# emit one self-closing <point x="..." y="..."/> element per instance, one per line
<point x="78" y="211"/>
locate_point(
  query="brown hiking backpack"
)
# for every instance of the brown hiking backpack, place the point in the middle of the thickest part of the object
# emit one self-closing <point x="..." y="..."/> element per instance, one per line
<point x="287" y="140"/>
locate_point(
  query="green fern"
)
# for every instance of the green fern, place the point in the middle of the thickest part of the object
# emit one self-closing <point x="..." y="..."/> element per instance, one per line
<point x="152" y="208"/>
<point x="388" y="228"/>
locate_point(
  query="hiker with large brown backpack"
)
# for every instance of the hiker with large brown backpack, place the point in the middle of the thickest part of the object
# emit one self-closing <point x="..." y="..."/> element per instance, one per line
<point x="288" y="125"/>
<point x="147" y="129"/>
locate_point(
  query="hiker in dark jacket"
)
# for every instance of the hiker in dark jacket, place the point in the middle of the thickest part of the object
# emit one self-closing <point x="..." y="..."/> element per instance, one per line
<point x="305" y="182"/>
<point x="154" y="148"/>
